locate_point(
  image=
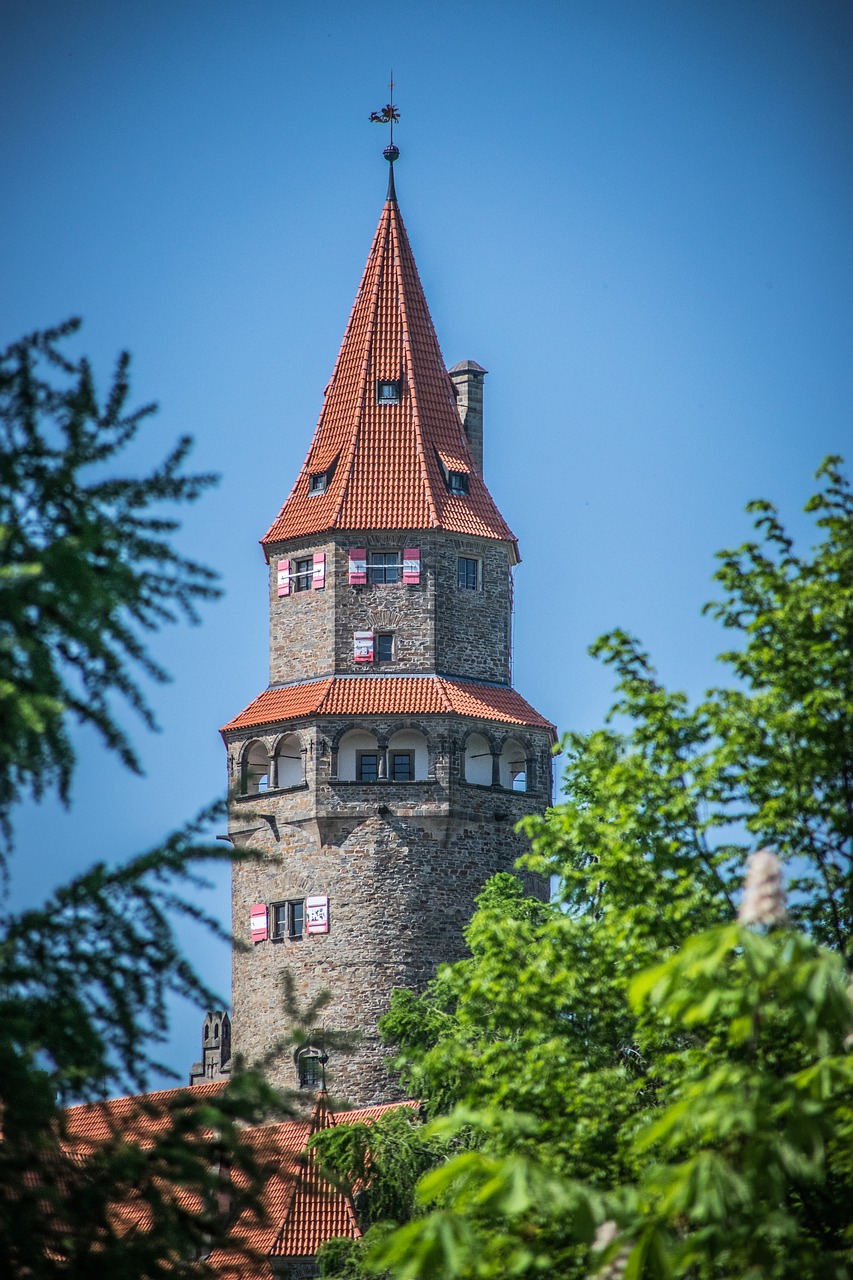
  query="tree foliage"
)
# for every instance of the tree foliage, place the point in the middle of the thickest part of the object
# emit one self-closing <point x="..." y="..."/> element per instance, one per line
<point x="88" y="569"/>
<point x="87" y="565"/>
<point x="630" y="1081"/>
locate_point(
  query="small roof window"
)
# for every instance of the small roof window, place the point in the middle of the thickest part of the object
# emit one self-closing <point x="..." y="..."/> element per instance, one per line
<point x="319" y="481"/>
<point x="388" y="392"/>
<point x="454" y="471"/>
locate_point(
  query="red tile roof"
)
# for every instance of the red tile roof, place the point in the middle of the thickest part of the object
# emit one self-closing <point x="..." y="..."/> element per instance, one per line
<point x="289" y="703"/>
<point x="389" y="695"/>
<point x="388" y="474"/>
<point x="138" y="1117"/>
<point x="316" y="1211"/>
<point x="300" y="1209"/>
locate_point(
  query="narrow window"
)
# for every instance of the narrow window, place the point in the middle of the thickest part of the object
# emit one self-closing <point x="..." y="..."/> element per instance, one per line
<point x="385" y="647"/>
<point x="457" y="483"/>
<point x="383" y="566"/>
<point x="319" y="481"/>
<point x="302" y="574"/>
<point x="388" y="392"/>
<point x="468" y="573"/>
<point x="278" y="919"/>
<point x="402" y="765"/>
<point x="310" y="1067"/>
<point x="367" y="766"/>
<point x="287" y="919"/>
<point x="296" y="922"/>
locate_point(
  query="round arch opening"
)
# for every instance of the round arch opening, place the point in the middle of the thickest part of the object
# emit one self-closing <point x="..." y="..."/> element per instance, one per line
<point x="478" y="760"/>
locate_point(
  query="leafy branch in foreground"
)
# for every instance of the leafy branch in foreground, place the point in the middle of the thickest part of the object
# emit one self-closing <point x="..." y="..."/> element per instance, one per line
<point x="84" y="986"/>
<point x="743" y="1168"/>
<point x="86" y="564"/>
<point x="85" y="978"/>
<point x="680" y="1080"/>
<point x="153" y="1186"/>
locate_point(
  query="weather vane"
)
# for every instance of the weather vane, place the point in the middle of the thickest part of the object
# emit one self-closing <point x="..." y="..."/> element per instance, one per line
<point x="388" y="115"/>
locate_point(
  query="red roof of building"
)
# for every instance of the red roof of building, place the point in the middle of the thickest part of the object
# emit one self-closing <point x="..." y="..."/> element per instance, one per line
<point x="387" y="459"/>
<point x="300" y="1210"/>
<point x="389" y="695"/>
<point x="316" y="1211"/>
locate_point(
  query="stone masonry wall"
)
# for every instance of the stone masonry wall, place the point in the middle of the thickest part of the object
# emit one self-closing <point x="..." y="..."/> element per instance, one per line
<point x="401" y="864"/>
<point x="435" y="624"/>
<point x="473" y="639"/>
<point x="302" y="624"/>
<point x="407" y="611"/>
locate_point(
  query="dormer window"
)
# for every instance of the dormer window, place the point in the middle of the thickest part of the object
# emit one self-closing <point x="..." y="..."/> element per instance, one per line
<point x="388" y="392"/>
<point x="454" y="473"/>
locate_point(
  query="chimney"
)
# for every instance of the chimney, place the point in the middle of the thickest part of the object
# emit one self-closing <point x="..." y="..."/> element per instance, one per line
<point x="467" y="378"/>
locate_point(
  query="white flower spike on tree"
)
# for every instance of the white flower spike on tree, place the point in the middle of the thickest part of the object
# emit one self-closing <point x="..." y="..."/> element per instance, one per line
<point x="764" y="900"/>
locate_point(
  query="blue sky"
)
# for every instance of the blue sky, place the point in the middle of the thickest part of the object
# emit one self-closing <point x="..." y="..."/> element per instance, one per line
<point x="635" y="215"/>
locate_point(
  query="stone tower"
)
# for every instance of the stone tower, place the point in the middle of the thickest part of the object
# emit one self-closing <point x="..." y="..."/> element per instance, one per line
<point x="381" y="774"/>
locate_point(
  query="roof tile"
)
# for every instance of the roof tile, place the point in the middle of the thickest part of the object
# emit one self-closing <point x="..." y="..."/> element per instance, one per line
<point x="388" y="695"/>
<point x="388" y="475"/>
<point x="300" y="1209"/>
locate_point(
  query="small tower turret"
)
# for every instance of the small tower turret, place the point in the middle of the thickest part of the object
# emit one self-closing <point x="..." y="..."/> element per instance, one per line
<point x="215" y="1063"/>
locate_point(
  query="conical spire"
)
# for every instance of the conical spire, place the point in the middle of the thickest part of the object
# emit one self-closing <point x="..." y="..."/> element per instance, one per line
<point x="387" y="465"/>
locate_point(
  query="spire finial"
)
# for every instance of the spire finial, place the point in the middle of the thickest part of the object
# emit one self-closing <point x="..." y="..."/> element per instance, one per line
<point x="388" y="115"/>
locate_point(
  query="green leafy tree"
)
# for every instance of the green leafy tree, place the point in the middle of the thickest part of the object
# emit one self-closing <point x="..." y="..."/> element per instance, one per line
<point x="87" y="571"/>
<point x="634" y="1082"/>
<point x="742" y="1168"/>
<point x="87" y="566"/>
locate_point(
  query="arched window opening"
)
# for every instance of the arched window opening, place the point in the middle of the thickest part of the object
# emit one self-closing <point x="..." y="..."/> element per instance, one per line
<point x="408" y="756"/>
<point x="290" y="768"/>
<point x="256" y="766"/>
<point x="478" y="760"/>
<point x="359" y="757"/>
<point x="309" y="1066"/>
<point x="513" y="766"/>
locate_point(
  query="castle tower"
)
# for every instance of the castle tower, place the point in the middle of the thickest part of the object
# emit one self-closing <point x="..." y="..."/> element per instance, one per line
<point x="381" y="774"/>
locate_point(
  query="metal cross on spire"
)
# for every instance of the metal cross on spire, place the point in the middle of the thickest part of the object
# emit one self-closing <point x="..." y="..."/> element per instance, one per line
<point x="388" y="115"/>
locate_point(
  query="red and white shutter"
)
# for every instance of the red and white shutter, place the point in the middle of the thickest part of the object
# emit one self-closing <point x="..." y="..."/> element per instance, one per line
<point x="284" y="577"/>
<point x="318" y="578"/>
<point x="362" y="646"/>
<point x="412" y="565"/>
<point x="258" y="922"/>
<point x="317" y="915"/>
<point x="358" y="566"/>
